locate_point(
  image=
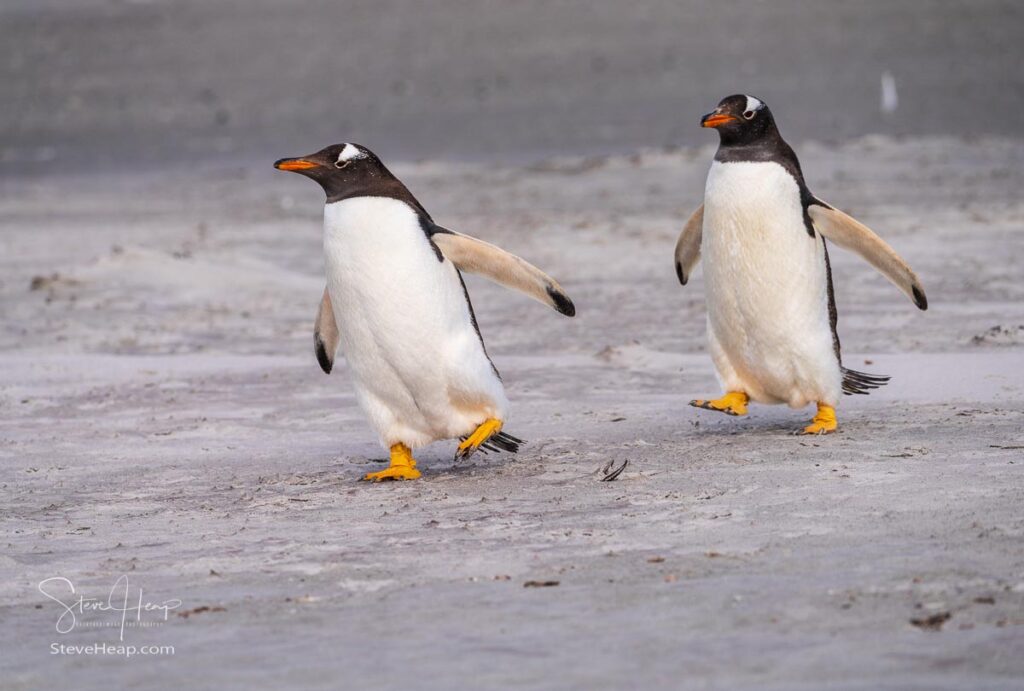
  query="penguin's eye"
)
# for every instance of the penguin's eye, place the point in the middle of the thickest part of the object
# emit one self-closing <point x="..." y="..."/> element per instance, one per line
<point x="749" y="115"/>
<point x="341" y="164"/>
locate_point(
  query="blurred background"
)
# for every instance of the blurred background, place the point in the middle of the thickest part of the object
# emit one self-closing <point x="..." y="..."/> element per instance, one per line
<point x="112" y="83"/>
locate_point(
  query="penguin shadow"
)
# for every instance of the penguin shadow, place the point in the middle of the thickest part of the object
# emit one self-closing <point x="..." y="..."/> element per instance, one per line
<point x="756" y="424"/>
<point x="304" y="486"/>
<point x="436" y="466"/>
<point x="481" y="461"/>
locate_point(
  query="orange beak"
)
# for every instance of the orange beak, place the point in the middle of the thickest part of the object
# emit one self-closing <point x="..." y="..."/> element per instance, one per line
<point x="295" y="164"/>
<point x="716" y="119"/>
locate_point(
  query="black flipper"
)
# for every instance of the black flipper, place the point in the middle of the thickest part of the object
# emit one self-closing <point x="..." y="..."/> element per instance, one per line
<point x="326" y="364"/>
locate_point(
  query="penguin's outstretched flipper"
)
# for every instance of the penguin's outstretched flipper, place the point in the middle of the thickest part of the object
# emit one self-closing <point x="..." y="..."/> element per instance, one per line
<point x="688" y="245"/>
<point x="487" y="437"/>
<point x="482" y="258"/>
<point x="325" y="334"/>
<point x="851" y="234"/>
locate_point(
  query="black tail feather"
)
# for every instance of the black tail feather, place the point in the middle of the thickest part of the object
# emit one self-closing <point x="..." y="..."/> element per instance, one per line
<point x="855" y="382"/>
<point x="502" y="441"/>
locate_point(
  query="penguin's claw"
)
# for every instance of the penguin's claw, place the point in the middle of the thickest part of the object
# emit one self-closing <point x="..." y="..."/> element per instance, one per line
<point x="403" y="466"/>
<point x="487" y="429"/>
<point x="824" y="422"/>
<point x="733" y="403"/>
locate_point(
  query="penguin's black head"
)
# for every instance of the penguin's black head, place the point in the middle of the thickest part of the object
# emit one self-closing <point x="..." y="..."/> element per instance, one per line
<point x="340" y="169"/>
<point x="741" y="119"/>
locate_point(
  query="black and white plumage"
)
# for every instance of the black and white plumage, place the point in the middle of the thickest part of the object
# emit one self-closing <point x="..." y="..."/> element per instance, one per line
<point x="771" y="307"/>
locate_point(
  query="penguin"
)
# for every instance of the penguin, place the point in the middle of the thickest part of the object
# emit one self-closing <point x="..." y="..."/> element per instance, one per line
<point x="771" y="305"/>
<point x="396" y="306"/>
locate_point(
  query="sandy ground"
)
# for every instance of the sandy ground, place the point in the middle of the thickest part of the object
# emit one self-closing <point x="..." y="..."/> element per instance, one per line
<point x="162" y="416"/>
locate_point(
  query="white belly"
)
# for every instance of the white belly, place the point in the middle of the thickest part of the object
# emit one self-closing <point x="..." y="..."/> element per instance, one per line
<point x="767" y="291"/>
<point x="419" y="367"/>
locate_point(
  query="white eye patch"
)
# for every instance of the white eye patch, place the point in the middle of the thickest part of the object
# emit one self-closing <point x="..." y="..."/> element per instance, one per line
<point x="349" y="153"/>
<point x="753" y="105"/>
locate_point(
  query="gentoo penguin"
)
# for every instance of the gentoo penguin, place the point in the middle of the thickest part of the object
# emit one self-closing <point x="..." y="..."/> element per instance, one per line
<point x="771" y="308"/>
<point x="396" y="304"/>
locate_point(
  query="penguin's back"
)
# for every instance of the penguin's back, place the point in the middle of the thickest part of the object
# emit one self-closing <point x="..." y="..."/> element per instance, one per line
<point x="406" y="326"/>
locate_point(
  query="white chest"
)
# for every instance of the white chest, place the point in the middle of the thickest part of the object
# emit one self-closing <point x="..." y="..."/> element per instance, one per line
<point x="381" y="265"/>
<point x="390" y="290"/>
<point x="752" y="201"/>
<point x="372" y="234"/>
<point x="753" y="225"/>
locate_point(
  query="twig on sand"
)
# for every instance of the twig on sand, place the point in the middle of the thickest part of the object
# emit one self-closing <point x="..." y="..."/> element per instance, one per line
<point x="933" y="622"/>
<point x="540" y="584"/>
<point x="610" y="475"/>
